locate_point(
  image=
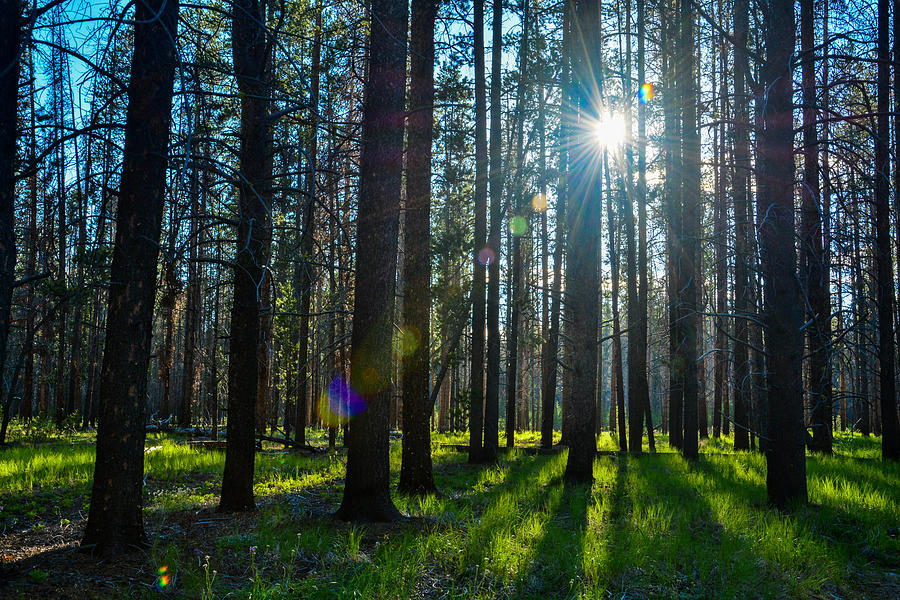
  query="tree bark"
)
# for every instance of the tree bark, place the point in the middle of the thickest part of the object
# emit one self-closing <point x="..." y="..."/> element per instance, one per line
<point x="250" y="51"/>
<point x="818" y="331"/>
<point x="366" y="489"/>
<point x="582" y="267"/>
<point x="640" y="338"/>
<point x="304" y="274"/>
<point x="783" y="316"/>
<point x="518" y="204"/>
<point x="551" y="348"/>
<point x="617" y="390"/>
<point x="690" y="230"/>
<point x="480" y="251"/>
<point x="115" y="520"/>
<point x="884" y="271"/>
<point x="742" y="291"/>
<point x="416" y="476"/>
<point x="492" y="387"/>
<point x="9" y="96"/>
<point x="672" y="192"/>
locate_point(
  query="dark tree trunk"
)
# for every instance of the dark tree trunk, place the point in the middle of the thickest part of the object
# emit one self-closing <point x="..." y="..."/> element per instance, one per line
<point x="115" y="520"/>
<point x="896" y="66"/>
<point x="690" y="230"/>
<point x="9" y="97"/>
<point x="479" y="252"/>
<point x="166" y="359"/>
<point x="721" y="347"/>
<point x="582" y="267"/>
<point x="617" y="390"/>
<point x="640" y="338"/>
<point x="816" y="277"/>
<point x="742" y="219"/>
<point x="884" y="272"/>
<point x="264" y="345"/>
<point x="31" y="264"/>
<point x="192" y="304"/>
<point x="304" y="275"/>
<point x="250" y="51"/>
<point x="416" y="475"/>
<point x="492" y="387"/>
<point x="512" y="350"/>
<point x="672" y="192"/>
<point x="551" y="348"/>
<point x="861" y="314"/>
<point x="213" y="385"/>
<point x="367" y="485"/>
<point x="783" y="312"/>
<point x="636" y="366"/>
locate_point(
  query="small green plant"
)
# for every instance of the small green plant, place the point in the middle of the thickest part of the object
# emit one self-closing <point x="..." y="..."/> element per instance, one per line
<point x="354" y="536"/>
<point x="38" y="575"/>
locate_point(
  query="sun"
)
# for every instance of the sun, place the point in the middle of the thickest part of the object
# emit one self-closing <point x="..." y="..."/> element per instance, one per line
<point x="609" y="130"/>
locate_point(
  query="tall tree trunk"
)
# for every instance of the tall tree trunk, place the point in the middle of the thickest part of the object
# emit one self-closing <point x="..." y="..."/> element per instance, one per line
<point x="786" y="455"/>
<point x="551" y="348"/>
<point x="492" y="387"/>
<point x="213" y="384"/>
<point x="167" y="302"/>
<point x="74" y="398"/>
<point x="861" y="310"/>
<point x="31" y="263"/>
<point x="896" y="66"/>
<point x="250" y="52"/>
<point x="192" y="305"/>
<point x="264" y="347"/>
<point x="884" y="271"/>
<point x="819" y="312"/>
<point x="480" y="252"/>
<point x="742" y="219"/>
<point x="512" y="349"/>
<point x="582" y="267"/>
<point x="690" y="230"/>
<point x="618" y="390"/>
<point x="721" y="268"/>
<point x="9" y="96"/>
<point x="672" y="192"/>
<point x="62" y="408"/>
<point x="366" y="489"/>
<point x="416" y="475"/>
<point x="826" y="210"/>
<point x="624" y="160"/>
<point x="640" y="337"/>
<point x="115" y="518"/>
<point x="304" y="275"/>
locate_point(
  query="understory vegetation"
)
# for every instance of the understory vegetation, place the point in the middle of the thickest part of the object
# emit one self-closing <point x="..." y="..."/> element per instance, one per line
<point x="651" y="526"/>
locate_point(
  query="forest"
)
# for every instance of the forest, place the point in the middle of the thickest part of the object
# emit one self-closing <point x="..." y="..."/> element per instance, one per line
<point x="449" y="299"/>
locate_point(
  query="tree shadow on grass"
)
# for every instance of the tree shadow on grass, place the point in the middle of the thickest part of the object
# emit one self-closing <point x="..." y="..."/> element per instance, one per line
<point x="556" y="562"/>
<point x="819" y="546"/>
<point x="676" y="545"/>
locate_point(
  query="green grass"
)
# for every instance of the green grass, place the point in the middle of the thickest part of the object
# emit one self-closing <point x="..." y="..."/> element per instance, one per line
<point x="649" y="527"/>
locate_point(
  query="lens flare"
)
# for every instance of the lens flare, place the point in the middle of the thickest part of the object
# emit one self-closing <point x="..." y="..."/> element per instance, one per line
<point x="518" y="225"/>
<point x="486" y="257"/>
<point x="539" y="203"/>
<point x="406" y="340"/>
<point x="339" y="403"/>
<point x="646" y="93"/>
<point x="163" y="578"/>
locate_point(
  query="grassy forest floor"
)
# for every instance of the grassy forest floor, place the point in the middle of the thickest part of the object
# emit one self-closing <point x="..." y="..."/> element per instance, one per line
<point x="650" y="527"/>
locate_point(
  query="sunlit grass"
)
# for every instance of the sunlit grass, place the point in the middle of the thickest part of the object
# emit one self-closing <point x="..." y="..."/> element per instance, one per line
<point x="650" y="526"/>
